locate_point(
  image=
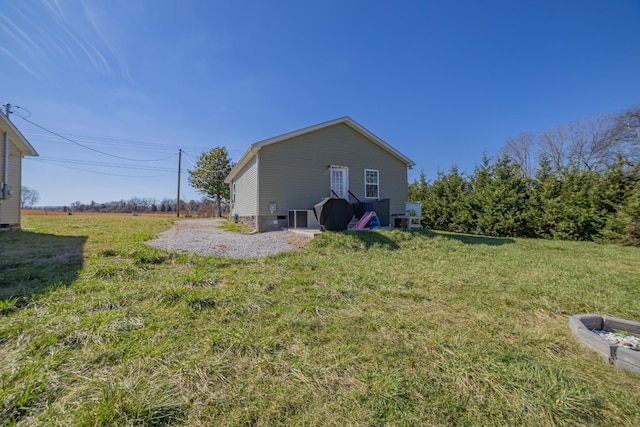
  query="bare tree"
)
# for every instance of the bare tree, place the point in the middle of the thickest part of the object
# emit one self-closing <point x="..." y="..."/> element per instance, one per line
<point x="519" y="149"/>
<point x="587" y="144"/>
<point x="77" y="206"/>
<point x="29" y="197"/>
<point x="553" y="144"/>
<point x="593" y="144"/>
<point x="627" y="133"/>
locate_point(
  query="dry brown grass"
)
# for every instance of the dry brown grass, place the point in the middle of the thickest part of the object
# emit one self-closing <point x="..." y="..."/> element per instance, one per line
<point x="40" y="212"/>
<point x="299" y="241"/>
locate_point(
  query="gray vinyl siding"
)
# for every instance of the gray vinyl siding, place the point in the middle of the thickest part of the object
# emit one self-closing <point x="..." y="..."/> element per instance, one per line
<point x="295" y="173"/>
<point x="246" y="190"/>
<point x="10" y="208"/>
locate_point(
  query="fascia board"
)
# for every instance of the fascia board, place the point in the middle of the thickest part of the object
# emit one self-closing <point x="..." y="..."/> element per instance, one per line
<point x="26" y="149"/>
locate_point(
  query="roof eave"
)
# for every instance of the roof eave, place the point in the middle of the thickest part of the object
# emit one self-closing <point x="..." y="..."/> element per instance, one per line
<point x="25" y="147"/>
<point x="251" y="152"/>
<point x="254" y="148"/>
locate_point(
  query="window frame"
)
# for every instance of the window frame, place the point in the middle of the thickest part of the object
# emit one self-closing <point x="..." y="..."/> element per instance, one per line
<point x="376" y="184"/>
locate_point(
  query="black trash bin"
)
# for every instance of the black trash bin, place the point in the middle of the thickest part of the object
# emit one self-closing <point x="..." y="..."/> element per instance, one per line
<point x="333" y="214"/>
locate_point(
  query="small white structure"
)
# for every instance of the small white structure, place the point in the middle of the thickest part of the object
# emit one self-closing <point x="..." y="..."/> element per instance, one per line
<point x="411" y="217"/>
<point x="413" y="211"/>
<point x="13" y="147"/>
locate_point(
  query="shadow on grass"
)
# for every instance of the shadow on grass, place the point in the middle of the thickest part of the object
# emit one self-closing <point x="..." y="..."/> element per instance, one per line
<point x="33" y="262"/>
<point x="369" y="239"/>
<point x="469" y="239"/>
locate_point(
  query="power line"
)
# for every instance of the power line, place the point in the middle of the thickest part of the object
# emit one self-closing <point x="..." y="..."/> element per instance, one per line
<point x="84" y="146"/>
<point x="105" y="173"/>
<point x="110" y="142"/>
<point x="102" y="164"/>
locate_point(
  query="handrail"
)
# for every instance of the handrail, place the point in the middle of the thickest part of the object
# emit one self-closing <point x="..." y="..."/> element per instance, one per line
<point x="354" y="196"/>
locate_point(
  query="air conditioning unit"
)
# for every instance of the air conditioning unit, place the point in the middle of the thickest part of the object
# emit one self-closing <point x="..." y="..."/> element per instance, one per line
<point x="302" y="219"/>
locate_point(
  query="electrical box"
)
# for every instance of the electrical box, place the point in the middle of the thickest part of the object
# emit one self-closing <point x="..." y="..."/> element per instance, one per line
<point x="6" y="191"/>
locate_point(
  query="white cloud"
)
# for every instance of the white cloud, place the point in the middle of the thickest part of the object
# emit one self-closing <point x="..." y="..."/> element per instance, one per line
<point x="21" y="64"/>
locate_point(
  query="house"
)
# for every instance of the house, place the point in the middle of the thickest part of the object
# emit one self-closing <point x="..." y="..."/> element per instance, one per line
<point x="13" y="147"/>
<point x="295" y="171"/>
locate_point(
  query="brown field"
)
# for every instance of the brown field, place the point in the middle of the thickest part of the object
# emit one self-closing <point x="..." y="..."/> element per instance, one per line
<point x="52" y="212"/>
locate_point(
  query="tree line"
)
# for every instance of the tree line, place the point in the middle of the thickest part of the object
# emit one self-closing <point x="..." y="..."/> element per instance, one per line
<point x="191" y="208"/>
<point x="577" y="181"/>
<point x="207" y="177"/>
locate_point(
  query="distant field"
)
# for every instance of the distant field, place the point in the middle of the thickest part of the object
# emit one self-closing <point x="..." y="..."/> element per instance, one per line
<point x="361" y="328"/>
<point x="39" y="212"/>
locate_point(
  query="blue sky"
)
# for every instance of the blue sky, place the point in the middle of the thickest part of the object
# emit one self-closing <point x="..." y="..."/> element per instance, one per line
<point x="442" y="81"/>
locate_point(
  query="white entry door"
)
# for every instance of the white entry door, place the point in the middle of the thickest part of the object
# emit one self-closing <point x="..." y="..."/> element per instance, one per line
<point x="340" y="181"/>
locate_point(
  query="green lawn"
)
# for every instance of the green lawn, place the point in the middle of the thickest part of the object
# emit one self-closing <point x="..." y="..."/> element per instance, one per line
<point x="361" y="328"/>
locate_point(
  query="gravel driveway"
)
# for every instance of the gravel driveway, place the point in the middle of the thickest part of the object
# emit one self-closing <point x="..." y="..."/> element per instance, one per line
<point x="202" y="236"/>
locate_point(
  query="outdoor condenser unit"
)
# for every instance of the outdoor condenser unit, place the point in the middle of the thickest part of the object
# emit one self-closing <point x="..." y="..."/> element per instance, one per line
<point x="302" y="219"/>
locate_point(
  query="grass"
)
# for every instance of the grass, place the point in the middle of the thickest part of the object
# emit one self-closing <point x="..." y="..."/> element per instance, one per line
<point x="236" y="227"/>
<point x="361" y="328"/>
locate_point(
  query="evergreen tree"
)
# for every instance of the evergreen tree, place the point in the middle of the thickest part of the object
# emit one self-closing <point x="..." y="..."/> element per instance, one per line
<point x="208" y="176"/>
<point x="576" y="215"/>
<point x="623" y="222"/>
<point x="543" y="195"/>
<point x="444" y="207"/>
<point x="417" y="190"/>
<point x="498" y="199"/>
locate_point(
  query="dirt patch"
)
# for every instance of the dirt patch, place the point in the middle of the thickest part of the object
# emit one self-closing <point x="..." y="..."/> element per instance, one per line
<point x="298" y="242"/>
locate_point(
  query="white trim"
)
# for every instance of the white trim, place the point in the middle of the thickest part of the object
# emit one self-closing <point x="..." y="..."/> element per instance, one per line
<point x="26" y="149"/>
<point x="345" y="181"/>
<point x="233" y="193"/>
<point x="257" y="189"/>
<point x="377" y="184"/>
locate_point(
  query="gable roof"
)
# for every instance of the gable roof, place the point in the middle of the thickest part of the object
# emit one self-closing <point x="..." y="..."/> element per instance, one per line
<point x="26" y="149"/>
<point x="253" y="149"/>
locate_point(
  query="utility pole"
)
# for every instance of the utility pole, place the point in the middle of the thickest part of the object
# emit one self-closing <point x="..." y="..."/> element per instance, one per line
<point x="179" y="167"/>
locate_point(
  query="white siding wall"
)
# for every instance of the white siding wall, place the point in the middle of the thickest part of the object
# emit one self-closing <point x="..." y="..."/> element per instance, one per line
<point x="10" y="209"/>
<point x="246" y="183"/>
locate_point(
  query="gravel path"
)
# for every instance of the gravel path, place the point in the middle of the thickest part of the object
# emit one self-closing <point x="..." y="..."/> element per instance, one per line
<point x="202" y="236"/>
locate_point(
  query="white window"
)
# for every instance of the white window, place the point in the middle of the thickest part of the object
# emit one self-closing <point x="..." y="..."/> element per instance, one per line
<point x="371" y="184"/>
